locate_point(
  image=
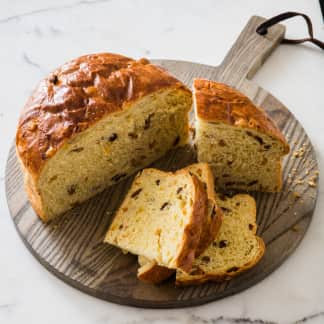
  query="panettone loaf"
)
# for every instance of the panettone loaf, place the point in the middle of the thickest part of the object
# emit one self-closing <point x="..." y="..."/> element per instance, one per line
<point x="149" y="270"/>
<point x="236" y="248"/>
<point x="161" y="218"/>
<point x="93" y="122"/>
<point x="241" y="143"/>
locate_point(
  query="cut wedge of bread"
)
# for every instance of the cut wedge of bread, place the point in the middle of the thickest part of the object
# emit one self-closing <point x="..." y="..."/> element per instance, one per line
<point x="243" y="146"/>
<point x="150" y="271"/>
<point x="161" y="218"/>
<point x="236" y="248"/>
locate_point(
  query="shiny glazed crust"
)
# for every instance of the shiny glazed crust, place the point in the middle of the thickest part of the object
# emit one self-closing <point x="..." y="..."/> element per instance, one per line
<point x="218" y="102"/>
<point x="76" y="95"/>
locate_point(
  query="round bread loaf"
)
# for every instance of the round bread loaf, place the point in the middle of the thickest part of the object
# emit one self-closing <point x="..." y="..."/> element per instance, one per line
<point x="90" y="123"/>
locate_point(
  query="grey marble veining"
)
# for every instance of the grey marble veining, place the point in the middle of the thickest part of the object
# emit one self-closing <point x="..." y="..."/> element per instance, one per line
<point x="38" y="35"/>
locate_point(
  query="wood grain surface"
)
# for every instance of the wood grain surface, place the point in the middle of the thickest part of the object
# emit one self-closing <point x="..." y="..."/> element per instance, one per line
<point x="71" y="247"/>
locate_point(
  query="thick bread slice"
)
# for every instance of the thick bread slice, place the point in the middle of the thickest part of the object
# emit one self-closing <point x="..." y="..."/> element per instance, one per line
<point x="243" y="146"/>
<point x="150" y="271"/>
<point x="236" y="248"/>
<point x="93" y="122"/>
<point x="161" y="218"/>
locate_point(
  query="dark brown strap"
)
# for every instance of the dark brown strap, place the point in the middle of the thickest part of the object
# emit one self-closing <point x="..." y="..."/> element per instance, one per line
<point x="263" y="28"/>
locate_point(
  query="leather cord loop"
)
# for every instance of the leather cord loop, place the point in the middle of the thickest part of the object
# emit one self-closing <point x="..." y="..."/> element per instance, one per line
<point x="263" y="28"/>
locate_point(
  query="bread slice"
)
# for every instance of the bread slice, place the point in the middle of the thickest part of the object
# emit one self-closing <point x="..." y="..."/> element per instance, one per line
<point x="236" y="248"/>
<point x="241" y="143"/>
<point x="161" y="218"/>
<point x="93" y="122"/>
<point x="150" y="271"/>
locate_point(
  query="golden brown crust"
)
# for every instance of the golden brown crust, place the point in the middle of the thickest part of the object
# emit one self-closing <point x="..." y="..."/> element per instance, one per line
<point x="218" y="102"/>
<point x="200" y="279"/>
<point x="76" y="95"/>
<point x="193" y="230"/>
<point x="211" y="226"/>
<point x="153" y="273"/>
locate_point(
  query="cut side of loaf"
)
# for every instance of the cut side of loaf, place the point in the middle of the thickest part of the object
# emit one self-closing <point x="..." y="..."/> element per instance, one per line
<point x="238" y="140"/>
<point x="236" y="248"/>
<point x="94" y="122"/>
<point x="161" y="218"/>
<point x="150" y="271"/>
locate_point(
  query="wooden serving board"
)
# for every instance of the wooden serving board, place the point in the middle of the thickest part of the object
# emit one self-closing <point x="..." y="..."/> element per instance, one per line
<point x="71" y="247"/>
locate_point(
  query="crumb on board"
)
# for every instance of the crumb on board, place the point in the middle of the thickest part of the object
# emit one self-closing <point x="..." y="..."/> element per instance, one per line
<point x="295" y="228"/>
<point x="296" y="195"/>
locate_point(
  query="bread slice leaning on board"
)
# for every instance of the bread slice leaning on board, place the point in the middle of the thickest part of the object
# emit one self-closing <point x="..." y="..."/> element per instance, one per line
<point x="149" y="270"/>
<point x="240" y="142"/>
<point x="93" y="122"/>
<point x="237" y="248"/>
<point x="161" y="218"/>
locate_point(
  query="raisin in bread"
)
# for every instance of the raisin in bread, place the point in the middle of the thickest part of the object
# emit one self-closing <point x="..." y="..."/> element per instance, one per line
<point x="161" y="218"/>
<point x="93" y="122"/>
<point x="241" y="143"/>
<point x="149" y="270"/>
<point x="236" y="248"/>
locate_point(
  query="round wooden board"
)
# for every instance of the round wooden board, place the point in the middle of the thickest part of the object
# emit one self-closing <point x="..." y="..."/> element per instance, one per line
<point x="71" y="247"/>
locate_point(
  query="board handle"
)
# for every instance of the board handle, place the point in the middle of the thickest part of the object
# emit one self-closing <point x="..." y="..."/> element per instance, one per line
<point x="249" y="52"/>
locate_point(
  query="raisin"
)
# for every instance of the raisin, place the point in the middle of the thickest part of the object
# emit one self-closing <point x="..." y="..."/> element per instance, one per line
<point x="112" y="137"/>
<point x="229" y="183"/>
<point x="229" y="163"/>
<point x="232" y="269"/>
<point x="221" y="143"/>
<point x="164" y="205"/>
<point x="176" y="141"/>
<point x="119" y="176"/>
<point x="223" y="243"/>
<point x="52" y="179"/>
<point x="77" y="149"/>
<point x="205" y="258"/>
<point x="136" y="193"/>
<point x="132" y="135"/>
<point x="193" y="132"/>
<point x="147" y="121"/>
<point x="179" y="190"/>
<point x="238" y="203"/>
<point x="225" y="210"/>
<point x="152" y="144"/>
<point x="157" y="182"/>
<point x="225" y="175"/>
<point x="267" y="146"/>
<point x="71" y="189"/>
<point x="251" y="227"/>
<point x="213" y="213"/>
<point x="257" y="138"/>
<point x="120" y="226"/>
<point x="54" y="79"/>
<point x="252" y="183"/>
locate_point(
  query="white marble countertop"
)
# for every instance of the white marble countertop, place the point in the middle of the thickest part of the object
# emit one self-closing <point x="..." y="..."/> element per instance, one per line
<point x="38" y="35"/>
